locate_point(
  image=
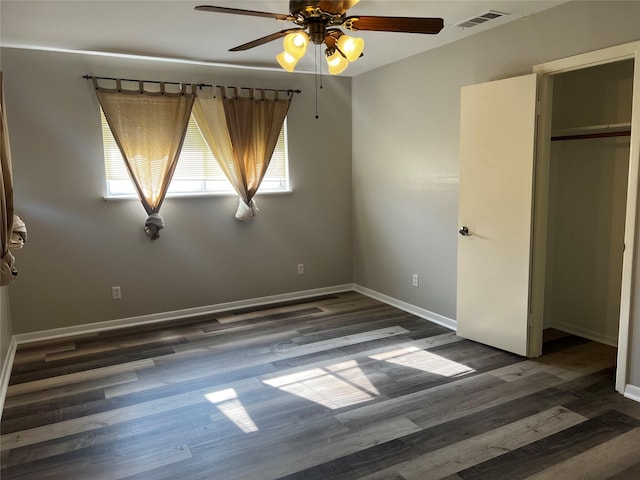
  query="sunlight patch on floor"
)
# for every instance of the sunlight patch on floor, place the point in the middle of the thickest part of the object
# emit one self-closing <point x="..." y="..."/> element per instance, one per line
<point x="344" y="384"/>
<point x="230" y="406"/>
<point x="335" y="386"/>
<point x="413" y="357"/>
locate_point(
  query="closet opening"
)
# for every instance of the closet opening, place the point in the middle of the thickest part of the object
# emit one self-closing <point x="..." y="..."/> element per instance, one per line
<point x="588" y="173"/>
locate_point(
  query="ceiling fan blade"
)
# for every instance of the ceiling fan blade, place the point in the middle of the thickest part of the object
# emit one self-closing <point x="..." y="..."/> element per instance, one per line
<point x="394" y="24"/>
<point x="238" y="11"/>
<point x="263" y="40"/>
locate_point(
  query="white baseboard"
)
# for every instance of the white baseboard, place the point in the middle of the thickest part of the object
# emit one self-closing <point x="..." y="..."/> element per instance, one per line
<point x="407" y="307"/>
<point x="632" y="392"/>
<point x="222" y="307"/>
<point x="175" y="314"/>
<point x="7" y="365"/>
<point x="584" y="332"/>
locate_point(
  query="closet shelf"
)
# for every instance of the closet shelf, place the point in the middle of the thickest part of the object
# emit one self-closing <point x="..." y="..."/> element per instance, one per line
<point x="592" y="131"/>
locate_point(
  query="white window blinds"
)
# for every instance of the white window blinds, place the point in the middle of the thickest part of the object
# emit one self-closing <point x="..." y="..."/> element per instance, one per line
<point x="197" y="171"/>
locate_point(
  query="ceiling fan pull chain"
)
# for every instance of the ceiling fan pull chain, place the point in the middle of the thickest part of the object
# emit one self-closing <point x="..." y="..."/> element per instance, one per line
<point x="316" y="79"/>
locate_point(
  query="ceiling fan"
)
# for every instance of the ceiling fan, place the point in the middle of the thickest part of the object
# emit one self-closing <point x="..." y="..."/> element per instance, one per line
<point x="317" y="22"/>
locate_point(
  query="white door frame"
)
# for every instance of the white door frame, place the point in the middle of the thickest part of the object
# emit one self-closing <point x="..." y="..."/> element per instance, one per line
<point x="627" y="315"/>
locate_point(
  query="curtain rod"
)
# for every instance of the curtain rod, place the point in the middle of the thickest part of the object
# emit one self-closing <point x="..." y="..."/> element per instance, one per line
<point x="201" y="85"/>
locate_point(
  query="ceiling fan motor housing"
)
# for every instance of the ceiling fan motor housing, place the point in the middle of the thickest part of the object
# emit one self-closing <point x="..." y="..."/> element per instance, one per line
<point x="317" y="30"/>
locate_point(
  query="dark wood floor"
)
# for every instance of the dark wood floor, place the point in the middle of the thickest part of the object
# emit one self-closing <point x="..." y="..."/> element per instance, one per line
<point x="338" y="387"/>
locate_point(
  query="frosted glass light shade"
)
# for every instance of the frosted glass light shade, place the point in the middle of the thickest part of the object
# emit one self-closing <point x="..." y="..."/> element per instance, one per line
<point x="336" y="62"/>
<point x="295" y="44"/>
<point x="287" y="61"/>
<point x="351" y="47"/>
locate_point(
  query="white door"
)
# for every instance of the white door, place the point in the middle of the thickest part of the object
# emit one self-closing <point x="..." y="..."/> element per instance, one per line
<point x="497" y="139"/>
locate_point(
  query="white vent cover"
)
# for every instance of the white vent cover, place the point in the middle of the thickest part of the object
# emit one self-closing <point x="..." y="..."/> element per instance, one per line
<point x="480" y="19"/>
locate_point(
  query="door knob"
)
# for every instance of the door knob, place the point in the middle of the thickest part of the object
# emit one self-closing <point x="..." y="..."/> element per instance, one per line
<point x="464" y="231"/>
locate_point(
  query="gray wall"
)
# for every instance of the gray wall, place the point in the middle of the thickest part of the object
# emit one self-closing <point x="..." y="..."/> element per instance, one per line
<point x="80" y="245"/>
<point x="405" y="144"/>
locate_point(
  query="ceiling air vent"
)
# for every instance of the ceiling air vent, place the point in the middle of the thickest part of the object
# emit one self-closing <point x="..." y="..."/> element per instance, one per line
<point x="480" y="19"/>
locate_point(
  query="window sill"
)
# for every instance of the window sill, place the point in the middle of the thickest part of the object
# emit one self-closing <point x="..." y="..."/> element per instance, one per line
<point x="109" y="198"/>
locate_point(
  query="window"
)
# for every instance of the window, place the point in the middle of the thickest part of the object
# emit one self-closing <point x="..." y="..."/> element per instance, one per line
<point x="197" y="172"/>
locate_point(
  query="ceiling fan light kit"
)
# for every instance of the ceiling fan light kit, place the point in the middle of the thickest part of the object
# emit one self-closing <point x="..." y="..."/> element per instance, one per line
<point x="287" y="61"/>
<point x="317" y="16"/>
<point x="336" y="61"/>
<point x="347" y="50"/>
<point x="295" y="43"/>
<point x="351" y="47"/>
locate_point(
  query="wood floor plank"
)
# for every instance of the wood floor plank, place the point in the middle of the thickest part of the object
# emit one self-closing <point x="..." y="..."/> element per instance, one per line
<point x="388" y="455"/>
<point x="601" y="398"/>
<point x="48" y="394"/>
<point x="631" y="473"/>
<point x="77" y="377"/>
<point x="449" y="401"/>
<point x="163" y="429"/>
<point x="50" y="411"/>
<point x="546" y="452"/>
<point x="450" y="460"/>
<point x="101" y="361"/>
<point x="162" y="376"/>
<point x="259" y="310"/>
<point x="294" y="459"/>
<point x="567" y="364"/>
<point x="102" y="466"/>
<point x="104" y="347"/>
<point x="39" y="354"/>
<point x="280" y="459"/>
<point x="602" y="461"/>
<point x="98" y="420"/>
<point x="282" y="313"/>
<point x="147" y="389"/>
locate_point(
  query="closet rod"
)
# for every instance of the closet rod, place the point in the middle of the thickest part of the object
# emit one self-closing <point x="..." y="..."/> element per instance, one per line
<point x="580" y="136"/>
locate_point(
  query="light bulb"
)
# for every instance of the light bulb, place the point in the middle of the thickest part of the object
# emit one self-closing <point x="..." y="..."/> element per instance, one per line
<point x="336" y="62"/>
<point x="287" y="61"/>
<point x="351" y="47"/>
<point x="295" y="44"/>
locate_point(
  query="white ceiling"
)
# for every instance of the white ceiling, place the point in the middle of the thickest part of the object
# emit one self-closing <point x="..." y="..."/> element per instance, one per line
<point x="173" y="29"/>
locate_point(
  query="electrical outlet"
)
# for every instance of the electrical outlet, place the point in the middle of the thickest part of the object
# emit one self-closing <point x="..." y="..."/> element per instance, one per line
<point x="116" y="294"/>
<point x="415" y="280"/>
<point x="301" y="269"/>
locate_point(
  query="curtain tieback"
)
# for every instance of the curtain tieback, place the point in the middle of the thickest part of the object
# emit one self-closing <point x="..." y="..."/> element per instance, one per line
<point x="19" y="233"/>
<point x="7" y="270"/>
<point x="153" y="225"/>
<point x="246" y="211"/>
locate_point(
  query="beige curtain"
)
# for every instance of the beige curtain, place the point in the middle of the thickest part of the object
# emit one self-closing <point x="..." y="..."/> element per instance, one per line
<point x="242" y="132"/>
<point x="149" y="128"/>
<point x="7" y="269"/>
